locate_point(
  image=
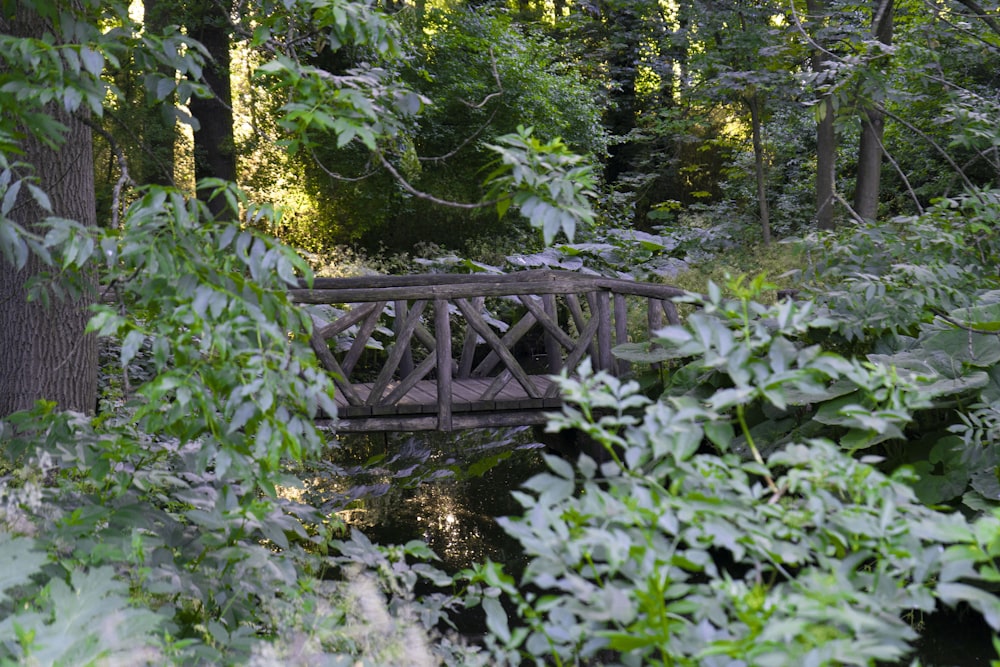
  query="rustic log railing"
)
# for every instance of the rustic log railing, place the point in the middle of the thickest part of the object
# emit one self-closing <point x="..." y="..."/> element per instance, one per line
<point x="431" y="379"/>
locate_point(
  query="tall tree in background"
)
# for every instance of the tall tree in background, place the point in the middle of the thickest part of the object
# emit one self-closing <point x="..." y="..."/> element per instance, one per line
<point x="214" y="144"/>
<point x="38" y="360"/>
<point x="870" y="150"/>
<point x="826" y="134"/>
<point x="739" y="62"/>
<point x="159" y="124"/>
<point x="623" y="24"/>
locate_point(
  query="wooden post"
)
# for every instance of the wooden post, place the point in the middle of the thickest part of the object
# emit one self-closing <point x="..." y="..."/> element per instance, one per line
<point x="671" y="310"/>
<point x="406" y="362"/>
<point x="601" y="309"/>
<point x="654" y="316"/>
<point x="469" y="344"/>
<point x="442" y="332"/>
<point x="621" y="331"/>
<point x="553" y="351"/>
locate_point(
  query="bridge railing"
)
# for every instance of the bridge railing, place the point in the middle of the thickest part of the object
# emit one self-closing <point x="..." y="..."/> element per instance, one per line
<point x="569" y="316"/>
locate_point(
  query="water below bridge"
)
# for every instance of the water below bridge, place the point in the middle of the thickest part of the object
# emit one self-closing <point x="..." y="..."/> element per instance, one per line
<point x="447" y="488"/>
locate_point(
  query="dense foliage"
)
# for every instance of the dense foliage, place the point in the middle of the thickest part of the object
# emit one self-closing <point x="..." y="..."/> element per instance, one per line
<point x="808" y="477"/>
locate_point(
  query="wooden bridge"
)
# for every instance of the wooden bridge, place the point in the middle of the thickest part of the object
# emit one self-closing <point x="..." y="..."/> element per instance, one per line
<point x="471" y="351"/>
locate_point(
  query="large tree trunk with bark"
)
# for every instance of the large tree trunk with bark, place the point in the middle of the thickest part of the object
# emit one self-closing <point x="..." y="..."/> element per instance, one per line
<point x="870" y="150"/>
<point x="44" y="352"/>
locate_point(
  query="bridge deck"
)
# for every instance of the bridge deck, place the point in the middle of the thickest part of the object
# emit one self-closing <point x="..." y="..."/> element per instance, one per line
<point x="419" y="407"/>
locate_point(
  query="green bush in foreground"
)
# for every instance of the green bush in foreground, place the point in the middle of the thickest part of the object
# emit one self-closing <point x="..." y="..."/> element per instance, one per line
<point x="671" y="554"/>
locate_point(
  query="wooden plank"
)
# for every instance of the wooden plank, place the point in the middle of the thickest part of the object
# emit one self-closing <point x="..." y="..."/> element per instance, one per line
<point x="396" y="352"/>
<point x="465" y="397"/>
<point x="654" y="315"/>
<point x="418" y="279"/>
<point x="406" y="360"/>
<point x="429" y="422"/>
<point x="514" y="334"/>
<point x="442" y="330"/>
<point x="402" y="389"/>
<point x="539" y="276"/>
<point x="495" y="387"/>
<point x="425" y="395"/>
<point x="576" y="355"/>
<point x="510" y="363"/>
<point x="621" y="331"/>
<point x="550" y="323"/>
<point x="576" y="312"/>
<point x="361" y="340"/>
<point x="344" y="322"/>
<point x="449" y="286"/>
<point x="595" y="345"/>
<point x="329" y="362"/>
<point x="557" y="284"/>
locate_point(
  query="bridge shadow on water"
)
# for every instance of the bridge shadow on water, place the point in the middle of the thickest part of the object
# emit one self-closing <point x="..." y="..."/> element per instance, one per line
<point x="444" y="488"/>
<point x="448" y="488"/>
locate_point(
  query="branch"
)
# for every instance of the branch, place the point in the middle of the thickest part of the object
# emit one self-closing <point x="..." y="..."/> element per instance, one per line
<point x="980" y="13"/>
<point x="489" y="121"/>
<point x="334" y="175"/>
<point x="965" y="327"/>
<point x="123" y="178"/>
<point x="850" y="209"/>
<point x="937" y="11"/>
<point x="805" y="34"/>
<point x="936" y="146"/>
<point x="429" y="197"/>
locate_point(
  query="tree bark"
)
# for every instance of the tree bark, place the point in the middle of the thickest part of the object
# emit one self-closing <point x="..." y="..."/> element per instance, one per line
<point x="623" y="24"/>
<point x="214" y="145"/>
<point x="826" y="137"/>
<point x="158" y="126"/>
<point x="870" y="150"/>
<point x="44" y="351"/>
<point x="753" y="101"/>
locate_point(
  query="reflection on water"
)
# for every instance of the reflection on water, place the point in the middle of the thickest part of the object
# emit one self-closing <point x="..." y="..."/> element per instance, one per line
<point x="444" y="488"/>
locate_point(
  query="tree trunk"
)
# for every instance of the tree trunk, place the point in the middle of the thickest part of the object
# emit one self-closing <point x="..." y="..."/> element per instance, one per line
<point x="753" y="101"/>
<point x="826" y="165"/>
<point x="623" y="23"/>
<point x="44" y="352"/>
<point x="158" y="126"/>
<point x="826" y="137"/>
<point x="870" y="150"/>
<point x="214" y="145"/>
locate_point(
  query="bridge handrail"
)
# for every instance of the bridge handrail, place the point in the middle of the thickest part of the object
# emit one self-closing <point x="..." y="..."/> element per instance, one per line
<point x="465" y="286"/>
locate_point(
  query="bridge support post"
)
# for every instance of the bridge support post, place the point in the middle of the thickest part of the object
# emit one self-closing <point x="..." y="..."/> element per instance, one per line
<point x="442" y="334"/>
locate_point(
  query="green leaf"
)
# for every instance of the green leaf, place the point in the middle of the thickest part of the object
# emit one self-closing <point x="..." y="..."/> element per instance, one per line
<point x="21" y="562"/>
<point x="496" y="619"/>
<point x="720" y="433"/>
<point x="980" y="350"/>
<point x="642" y="353"/>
